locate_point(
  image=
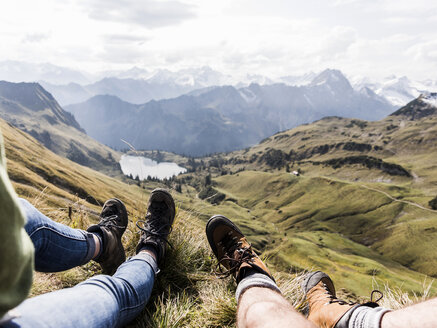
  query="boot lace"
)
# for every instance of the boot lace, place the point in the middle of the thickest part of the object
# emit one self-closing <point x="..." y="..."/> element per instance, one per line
<point x="110" y="221"/>
<point x="230" y="244"/>
<point x="153" y="225"/>
<point x="371" y="303"/>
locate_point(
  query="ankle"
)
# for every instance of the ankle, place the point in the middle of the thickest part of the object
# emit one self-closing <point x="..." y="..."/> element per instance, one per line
<point x="246" y="272"/>
<point x="98" y="242"/>
<point x="150" y="249"/>
<point x="364" y="316"/>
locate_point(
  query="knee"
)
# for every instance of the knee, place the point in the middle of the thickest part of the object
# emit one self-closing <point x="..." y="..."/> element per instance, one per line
<point x="34" y="219"/>
<point x="25" y="204"/>
<point x="28" y="210"/>
<point x="256" y="314"/>
<point x="111" y="285"/>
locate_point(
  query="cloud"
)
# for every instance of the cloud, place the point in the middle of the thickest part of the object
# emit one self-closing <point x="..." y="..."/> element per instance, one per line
<point x="345" y="2"/>
<point x="122" y="54"/>
<point x="424" y="52"/>
<point x="402" y="20"/>
<point x="35" y="37"/>
<point x="125" y="38"/>
<point x="337" y="42"/>
<point x="146" y="13"/>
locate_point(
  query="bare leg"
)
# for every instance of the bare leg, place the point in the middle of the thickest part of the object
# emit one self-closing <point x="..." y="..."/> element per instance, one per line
<point x="263" y="307"/>
<point x="423" y="315"/>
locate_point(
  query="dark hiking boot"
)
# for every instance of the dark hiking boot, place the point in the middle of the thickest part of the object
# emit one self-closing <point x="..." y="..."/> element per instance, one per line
<point x="232" y="249"/>
<point x="324" y="308"/>
<point x="113" y="223"/>
<point x="158" y="223"/>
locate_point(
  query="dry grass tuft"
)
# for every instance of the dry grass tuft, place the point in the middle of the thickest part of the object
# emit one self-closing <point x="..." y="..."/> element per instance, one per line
<point x="218" y="306"/>
<point x="168" y="312"/>
<point x="395" y="298"/>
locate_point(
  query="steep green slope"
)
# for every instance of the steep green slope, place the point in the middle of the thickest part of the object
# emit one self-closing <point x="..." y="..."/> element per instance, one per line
<point x="320" y="223"/>
<point x="39" y="173"/>
<point x="339" y="210"/>
<point x="33" y="110"/>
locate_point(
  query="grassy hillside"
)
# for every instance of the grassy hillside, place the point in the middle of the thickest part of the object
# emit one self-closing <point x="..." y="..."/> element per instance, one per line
<point x="335" y="225"/>
<point x="361" y="229"/>
<point x="395" y="140"/>
<point x="302" y="223"/>
<point x="359" y="208"/>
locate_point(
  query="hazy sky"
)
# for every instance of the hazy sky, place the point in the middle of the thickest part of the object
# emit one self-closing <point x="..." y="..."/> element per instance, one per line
<point x="272" y="37"/>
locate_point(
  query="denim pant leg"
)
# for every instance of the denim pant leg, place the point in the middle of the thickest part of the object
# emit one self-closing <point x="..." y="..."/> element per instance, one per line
<point x="57" y="246"/>
<point x="101" y="301"/>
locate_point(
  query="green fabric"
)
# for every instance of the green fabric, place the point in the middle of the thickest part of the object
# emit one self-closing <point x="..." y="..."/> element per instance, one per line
<point x="16" y="249"/>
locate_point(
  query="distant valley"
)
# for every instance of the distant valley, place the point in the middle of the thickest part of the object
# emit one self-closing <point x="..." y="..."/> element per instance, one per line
<point x="220" y="119"/>
<point x="200" y="111"/>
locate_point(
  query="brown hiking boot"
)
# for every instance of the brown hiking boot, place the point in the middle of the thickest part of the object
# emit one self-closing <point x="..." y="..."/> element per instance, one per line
<point x="155" y="229"/>
<point x="113" y="223"/>
<point x="324" y="308"/>
<point x="232" y="249"/>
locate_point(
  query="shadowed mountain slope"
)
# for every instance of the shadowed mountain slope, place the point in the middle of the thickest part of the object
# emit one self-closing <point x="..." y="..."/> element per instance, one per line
<point x="32" y="109"/>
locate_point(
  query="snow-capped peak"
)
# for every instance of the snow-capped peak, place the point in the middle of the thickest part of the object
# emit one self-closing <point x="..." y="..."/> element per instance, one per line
<point x="330" y="76"/>
<point x="333" y="79"/>
<point x="200" y="77"/>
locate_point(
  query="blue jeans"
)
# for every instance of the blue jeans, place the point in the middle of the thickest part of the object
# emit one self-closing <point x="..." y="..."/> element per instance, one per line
<point x="101" y="301"/>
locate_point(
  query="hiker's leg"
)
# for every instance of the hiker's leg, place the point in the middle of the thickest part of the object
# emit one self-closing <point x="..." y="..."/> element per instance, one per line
<point x="57" y="246"/>
<point x="423" y="315"/>
<point x="264" y="307"/>
<point x="260" y="303"/>
<point x="101" y="301"/>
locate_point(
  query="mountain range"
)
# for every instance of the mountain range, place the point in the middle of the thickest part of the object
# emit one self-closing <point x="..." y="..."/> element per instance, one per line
<point x="398" y="91"/>
<point x="226" y="118"/>
<point x="139" y="85"/>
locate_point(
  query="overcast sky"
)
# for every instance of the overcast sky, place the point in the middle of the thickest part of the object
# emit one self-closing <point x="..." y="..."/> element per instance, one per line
<point x="375" y="38"/>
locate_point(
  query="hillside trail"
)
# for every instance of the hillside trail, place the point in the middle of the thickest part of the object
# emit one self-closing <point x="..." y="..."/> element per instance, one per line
<point x="399" y="200"/>
<point x="392" y="198"/>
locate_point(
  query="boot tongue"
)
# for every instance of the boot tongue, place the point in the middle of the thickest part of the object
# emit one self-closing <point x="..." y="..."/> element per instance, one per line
<point x="230" y="245"/>
<point x="156" y="215"/>
<point x="158" y="207"/>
